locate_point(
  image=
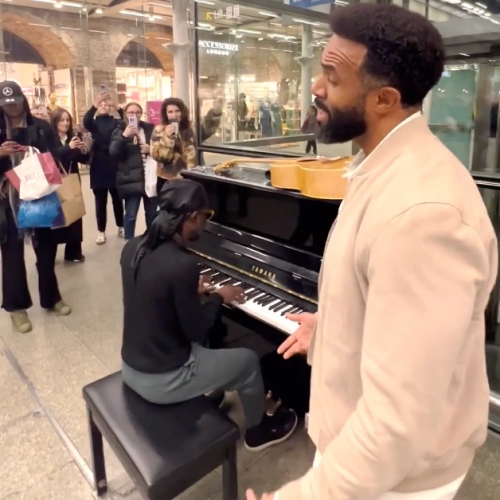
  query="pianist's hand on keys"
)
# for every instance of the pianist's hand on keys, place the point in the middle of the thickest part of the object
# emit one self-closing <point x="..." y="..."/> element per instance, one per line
<point x="230" y="293"/>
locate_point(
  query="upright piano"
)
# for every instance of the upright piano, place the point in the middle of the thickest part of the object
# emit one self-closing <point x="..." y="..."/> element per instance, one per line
<point x="266" y="240"/>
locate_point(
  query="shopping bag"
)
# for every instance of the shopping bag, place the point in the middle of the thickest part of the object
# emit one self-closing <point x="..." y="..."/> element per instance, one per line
<point x="71" y="198"/>
<point x="36" y="176"/>
<point x="44" y="212"/>
<point x="150" y="168"/>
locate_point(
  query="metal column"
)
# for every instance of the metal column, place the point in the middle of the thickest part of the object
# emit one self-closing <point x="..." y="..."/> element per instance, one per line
<point x="306" y="62"/>
<point x="180" y="49"/>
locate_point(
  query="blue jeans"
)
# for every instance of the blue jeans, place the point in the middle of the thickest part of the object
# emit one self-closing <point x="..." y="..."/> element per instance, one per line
<point x="132" y="203"/>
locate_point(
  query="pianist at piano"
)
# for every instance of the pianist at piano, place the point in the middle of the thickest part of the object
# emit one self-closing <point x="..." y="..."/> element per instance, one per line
<point x="167" y="323"/>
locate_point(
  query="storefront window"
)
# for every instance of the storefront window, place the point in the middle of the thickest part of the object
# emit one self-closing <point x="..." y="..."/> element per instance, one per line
<point x="65" y="52"/>
<point x="257" y="65"/>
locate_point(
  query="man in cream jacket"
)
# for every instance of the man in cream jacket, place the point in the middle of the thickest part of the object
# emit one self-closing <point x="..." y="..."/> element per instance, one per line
<point x="399" y="394"/>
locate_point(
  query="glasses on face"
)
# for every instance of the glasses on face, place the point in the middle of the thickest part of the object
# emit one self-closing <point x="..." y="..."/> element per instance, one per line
<point x="208" y="213"/>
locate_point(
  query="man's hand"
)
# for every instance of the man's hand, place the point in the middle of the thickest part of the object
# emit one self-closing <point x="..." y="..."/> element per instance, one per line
<point x="252" y="496"/>
<point x="9" y="148"/>
<point x="298" y="343"/>
<point x="145" y="149"/>
<point x="231" y="293"/>
<point x="205" y="285"/>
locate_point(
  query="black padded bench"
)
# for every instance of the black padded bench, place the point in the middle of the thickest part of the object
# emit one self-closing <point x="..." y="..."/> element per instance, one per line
<point x="164" y="449"/>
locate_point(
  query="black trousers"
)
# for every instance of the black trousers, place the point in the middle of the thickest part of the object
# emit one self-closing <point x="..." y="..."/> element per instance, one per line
<point x="15" y="293"/>
<point x="101" y="207"/>
<point x="73" y="251"/>
<point x="313" y="145"/>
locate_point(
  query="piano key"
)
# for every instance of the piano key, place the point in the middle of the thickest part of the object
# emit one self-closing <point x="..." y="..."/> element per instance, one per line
<point x="260" y="304"/>
<point x="286" y="310"/>
<point x="267" y="316"/>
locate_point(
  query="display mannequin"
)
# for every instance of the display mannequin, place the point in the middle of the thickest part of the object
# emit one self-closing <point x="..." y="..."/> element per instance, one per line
<point x="52" y="106"/>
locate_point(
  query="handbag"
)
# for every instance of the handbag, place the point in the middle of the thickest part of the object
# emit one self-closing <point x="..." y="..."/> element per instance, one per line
<point x="71" y="200"/>
<point x="44" y="212"/>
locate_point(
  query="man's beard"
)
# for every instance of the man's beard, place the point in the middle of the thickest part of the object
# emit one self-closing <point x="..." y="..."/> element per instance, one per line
<point x="344" y="124"/>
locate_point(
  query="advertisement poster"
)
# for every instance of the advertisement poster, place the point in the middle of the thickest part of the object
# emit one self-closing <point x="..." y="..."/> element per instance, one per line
<point x="153" y="110"/>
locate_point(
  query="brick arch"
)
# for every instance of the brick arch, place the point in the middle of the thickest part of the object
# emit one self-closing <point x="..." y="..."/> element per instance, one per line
<point x="51" y="48"/>
<point x="155" y="41"/>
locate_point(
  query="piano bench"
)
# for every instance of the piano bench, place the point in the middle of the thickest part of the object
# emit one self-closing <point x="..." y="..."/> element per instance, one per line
<point x="164" y="448"/>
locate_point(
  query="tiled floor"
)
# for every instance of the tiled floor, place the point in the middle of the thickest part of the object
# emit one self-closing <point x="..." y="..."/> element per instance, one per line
<point x="44" y="448"/>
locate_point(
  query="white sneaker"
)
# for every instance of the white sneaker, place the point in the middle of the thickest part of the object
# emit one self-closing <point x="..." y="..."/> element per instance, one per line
<point x="101" y="239"/>
<point x="121" y="232"/>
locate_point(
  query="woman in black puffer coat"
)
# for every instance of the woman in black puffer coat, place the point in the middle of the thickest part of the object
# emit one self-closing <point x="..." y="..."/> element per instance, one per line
<point x="130" y="148"/>
<point x="101" y="125"/>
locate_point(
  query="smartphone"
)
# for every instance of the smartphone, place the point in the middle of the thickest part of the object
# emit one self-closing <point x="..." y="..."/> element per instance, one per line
<point x="79" y="135"/>
<point x="20" y="136"/>
<point x="175" y="124"/>
<point x="132" y="121"/>
<point x="104" y="87"/>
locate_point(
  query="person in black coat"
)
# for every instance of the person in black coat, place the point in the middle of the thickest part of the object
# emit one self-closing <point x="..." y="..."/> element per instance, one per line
<point x="19" y="128"/>
<point x="101" y="124"/>
<point x="70" y="152"/>
<point x="130" y="147"/>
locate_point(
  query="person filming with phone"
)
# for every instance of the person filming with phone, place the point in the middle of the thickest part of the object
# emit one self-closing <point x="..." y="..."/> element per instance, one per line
<point x="173" y="142"/>
<point x="18" y="130"/>
<point x="130" y="147"/>
<point x="101" y="124"/>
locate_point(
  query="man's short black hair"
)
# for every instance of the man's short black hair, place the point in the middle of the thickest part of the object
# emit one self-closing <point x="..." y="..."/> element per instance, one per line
<point x="404" y="50"/>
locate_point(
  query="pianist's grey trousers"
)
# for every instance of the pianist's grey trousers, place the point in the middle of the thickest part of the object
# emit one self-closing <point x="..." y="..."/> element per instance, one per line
<point x="206" y="370"/>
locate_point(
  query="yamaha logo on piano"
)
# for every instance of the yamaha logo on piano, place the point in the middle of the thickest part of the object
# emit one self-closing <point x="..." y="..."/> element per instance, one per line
<point x="267" y="274"/>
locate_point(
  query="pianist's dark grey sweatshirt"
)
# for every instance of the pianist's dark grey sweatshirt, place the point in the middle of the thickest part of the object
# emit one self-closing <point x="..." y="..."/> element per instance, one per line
<point x="163" y="313"/>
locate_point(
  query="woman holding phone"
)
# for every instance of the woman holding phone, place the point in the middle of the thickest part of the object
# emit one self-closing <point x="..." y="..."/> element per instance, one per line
<point x="172" y="142"/>
<point x="70" y="152"/>
<point x="101" y="124"/>
<point x="130" y="147"/>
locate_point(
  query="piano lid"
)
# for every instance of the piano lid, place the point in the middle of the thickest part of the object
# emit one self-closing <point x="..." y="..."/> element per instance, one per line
<point x="250" y="176"/>
<point x="276" y="224"/>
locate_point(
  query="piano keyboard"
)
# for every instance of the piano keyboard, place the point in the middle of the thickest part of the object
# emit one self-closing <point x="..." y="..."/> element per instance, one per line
<point x="264" y="306"/>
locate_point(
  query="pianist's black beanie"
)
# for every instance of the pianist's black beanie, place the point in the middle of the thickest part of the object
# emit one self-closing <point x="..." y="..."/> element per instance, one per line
<point x="177" y="198"/>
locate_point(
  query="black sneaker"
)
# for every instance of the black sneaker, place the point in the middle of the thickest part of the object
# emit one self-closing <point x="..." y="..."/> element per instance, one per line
<point x="272" y="430"/>
<point x="217" y="398"/>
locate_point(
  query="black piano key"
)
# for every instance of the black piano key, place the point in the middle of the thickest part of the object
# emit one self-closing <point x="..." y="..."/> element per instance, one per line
<point x="262" y="298"/>
<point x="224" y="282"/>
<point x="295" y="310"/>
<point x="206" y="270"/>
<point x="279" y="305"/>
<point x="254" y="294"/>
<point x="269" y="301"/>
<point x="286" y="310"/>
<point x="285" y="305"/>
<point x="245" y="286"/>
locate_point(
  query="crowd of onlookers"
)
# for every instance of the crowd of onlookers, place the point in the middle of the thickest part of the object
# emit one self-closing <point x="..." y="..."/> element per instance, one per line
<point x="117" y="144"/>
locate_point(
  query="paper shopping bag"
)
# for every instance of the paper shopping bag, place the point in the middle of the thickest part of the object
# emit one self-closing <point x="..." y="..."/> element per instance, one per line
<point x="70" y="195"/>
<point x="150" y="177"/>
<point x="36" y="176"/>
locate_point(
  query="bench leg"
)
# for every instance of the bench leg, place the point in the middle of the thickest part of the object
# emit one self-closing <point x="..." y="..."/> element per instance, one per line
<point x="230" y="476"/>
<point x="97" y="449"/>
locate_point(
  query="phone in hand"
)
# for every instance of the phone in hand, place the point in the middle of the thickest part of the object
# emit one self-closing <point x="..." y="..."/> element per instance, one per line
<point x="20" y="136"/>
<point x="132" y="121"/>
<point x="175" y="124"/>
<point x="104" y="87"/>
<point x="79" y="135"/>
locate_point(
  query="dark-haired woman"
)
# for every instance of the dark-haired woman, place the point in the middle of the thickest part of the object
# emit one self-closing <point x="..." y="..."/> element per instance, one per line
<point x="172" y="142"/>
<point x="70" y="152"/>
<point x="130" y="147"/>
<point x="101" y="124"/>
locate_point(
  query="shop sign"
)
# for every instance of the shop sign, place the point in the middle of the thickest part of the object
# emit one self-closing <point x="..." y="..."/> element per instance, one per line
<point x="153" y="110"/>
<point x="232" y="12"/>
<point x="218" y="48"/>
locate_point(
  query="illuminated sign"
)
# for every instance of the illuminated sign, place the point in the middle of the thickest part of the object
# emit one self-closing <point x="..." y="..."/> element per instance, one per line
<point x="218" y="48"/>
